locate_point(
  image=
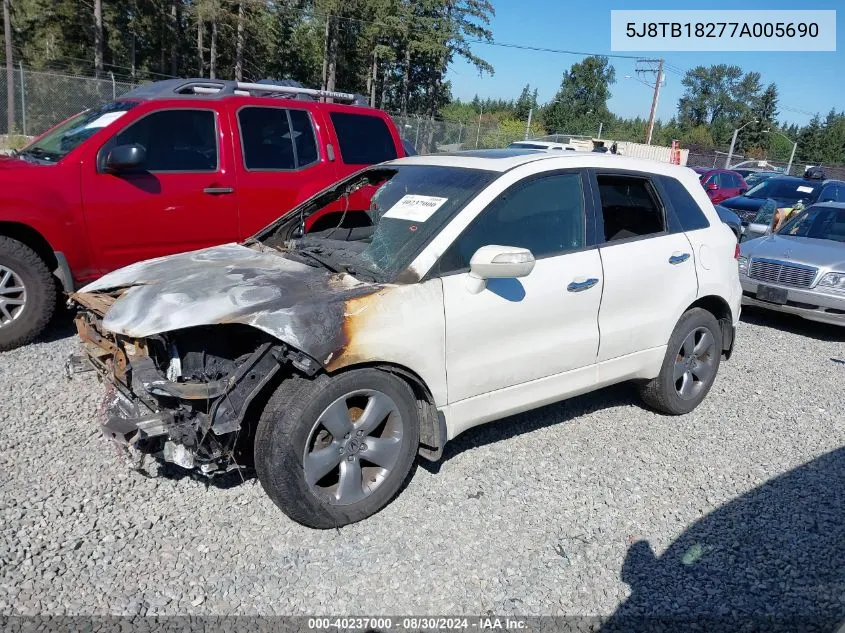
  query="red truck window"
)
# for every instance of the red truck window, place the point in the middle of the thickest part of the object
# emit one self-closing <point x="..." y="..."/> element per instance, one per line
<point x="276" y="138"/>
<point x="364" y="139"/>
<point x="175" y="140"/>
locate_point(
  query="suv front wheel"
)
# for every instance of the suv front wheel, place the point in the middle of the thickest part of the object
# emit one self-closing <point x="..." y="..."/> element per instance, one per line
<point x="690" y="365"/>
<point x="27" y="294"/>
<point x="336" y="449"/>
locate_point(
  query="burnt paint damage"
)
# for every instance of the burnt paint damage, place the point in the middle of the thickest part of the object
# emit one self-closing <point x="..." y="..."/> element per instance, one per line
<point x="298" y="304"/>
<point x="185" y="343"/>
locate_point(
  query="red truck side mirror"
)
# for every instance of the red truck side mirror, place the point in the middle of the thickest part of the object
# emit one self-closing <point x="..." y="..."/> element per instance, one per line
<point x="712" y="187"/>
<point x="125" y="158"/>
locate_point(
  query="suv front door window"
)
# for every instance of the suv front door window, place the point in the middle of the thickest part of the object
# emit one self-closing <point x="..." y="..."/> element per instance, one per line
<point x="180" y="140"/>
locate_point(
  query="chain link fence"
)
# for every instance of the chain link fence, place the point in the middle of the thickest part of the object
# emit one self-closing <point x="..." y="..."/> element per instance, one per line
<point x="428" y="135"/>
<point x="716" y="160"/>
<point x="42" y="99"/>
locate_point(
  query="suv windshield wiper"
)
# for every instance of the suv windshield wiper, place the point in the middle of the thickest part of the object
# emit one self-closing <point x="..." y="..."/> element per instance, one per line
<point x="320" y="260"/>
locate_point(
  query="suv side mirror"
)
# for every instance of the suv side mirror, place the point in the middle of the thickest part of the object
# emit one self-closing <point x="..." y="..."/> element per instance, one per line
<point x="498" y="262"/>
<point x="125" y="158"/>
<point x="712" y="186"/>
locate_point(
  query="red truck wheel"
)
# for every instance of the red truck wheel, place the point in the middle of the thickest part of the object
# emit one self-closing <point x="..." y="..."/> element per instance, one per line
<point x="27" y="294"/>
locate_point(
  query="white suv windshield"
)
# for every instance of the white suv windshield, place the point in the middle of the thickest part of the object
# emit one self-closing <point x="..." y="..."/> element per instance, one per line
<point x="407" y="205"/>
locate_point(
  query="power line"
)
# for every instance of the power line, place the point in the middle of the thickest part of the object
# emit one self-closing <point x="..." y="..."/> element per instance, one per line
<point x="541" y="49"/>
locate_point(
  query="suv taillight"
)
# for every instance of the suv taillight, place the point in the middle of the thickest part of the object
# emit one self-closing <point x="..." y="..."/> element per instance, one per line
<point x="736" y="251"/>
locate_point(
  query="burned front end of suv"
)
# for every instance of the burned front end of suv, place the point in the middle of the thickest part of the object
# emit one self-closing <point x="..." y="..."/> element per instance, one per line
<point x="185" y="344"/>
<point x="182" y="397"/>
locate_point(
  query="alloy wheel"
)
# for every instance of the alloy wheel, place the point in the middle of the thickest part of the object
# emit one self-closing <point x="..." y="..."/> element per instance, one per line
<point x="353" y="447"/>
<point x="12" y="296"/>
<point x="695" y="364"/>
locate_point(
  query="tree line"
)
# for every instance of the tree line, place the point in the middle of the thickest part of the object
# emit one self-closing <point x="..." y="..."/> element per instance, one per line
<point x="717" y="100"/>
<point x="397" y="53"/>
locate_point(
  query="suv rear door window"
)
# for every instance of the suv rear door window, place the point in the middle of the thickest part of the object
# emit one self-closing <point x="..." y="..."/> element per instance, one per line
<point x="276" y="138"/>
<point x="630" y="207"/>
<point x="174" y="140"/>
<point x="363" y="139"/>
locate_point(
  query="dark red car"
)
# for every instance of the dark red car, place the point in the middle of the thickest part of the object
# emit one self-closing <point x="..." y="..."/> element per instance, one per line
<point x="721" y="184"/>
<point x="172" y="166"/>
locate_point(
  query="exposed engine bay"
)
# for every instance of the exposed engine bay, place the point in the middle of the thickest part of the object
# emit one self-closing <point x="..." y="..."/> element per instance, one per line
<point x="181" y="397"/>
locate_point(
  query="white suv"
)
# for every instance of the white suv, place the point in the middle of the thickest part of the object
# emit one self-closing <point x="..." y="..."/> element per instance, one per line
<point x="489" y="283"/>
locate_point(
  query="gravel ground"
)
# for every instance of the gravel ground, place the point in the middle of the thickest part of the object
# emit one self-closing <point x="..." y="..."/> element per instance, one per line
<point x="591" y="506"/>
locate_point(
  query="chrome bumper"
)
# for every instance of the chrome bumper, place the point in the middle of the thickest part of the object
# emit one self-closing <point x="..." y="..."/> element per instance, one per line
<point x="804" y="302"/>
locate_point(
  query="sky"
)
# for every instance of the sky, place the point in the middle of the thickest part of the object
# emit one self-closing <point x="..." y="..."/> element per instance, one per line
<point x="808" y="82"/>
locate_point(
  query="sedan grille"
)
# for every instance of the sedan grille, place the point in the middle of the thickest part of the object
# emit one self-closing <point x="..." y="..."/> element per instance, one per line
<point x="776" y="272"/>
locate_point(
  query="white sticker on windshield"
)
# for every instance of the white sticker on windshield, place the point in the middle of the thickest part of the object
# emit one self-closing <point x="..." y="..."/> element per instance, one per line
<point x="803" y="189"/>
<point x="104" y="119"/>
<point x="414" y="208"/>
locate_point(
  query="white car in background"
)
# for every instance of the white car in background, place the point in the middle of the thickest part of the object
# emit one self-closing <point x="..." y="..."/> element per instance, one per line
<point x="490" y="283"/>
<point x="544" y="145"/>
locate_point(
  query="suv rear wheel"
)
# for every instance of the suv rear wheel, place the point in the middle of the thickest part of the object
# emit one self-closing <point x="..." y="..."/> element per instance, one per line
<point x="690" y="365"/>
<point x="27" y="294"/>
<point x="336" y="449"/>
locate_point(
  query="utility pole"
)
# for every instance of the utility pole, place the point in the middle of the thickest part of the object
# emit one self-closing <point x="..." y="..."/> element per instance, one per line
<point x="478" y="131"/>
<point x="653" y="66"/>
<point x="239" y="44"/>
<point x="733" y="142"/>
<point x="528" y="125"/>
<point x="791" y="158"/>
<point x="98" y="38"/>
<point x="326" y="52"/>
<point x="10" y="67"/>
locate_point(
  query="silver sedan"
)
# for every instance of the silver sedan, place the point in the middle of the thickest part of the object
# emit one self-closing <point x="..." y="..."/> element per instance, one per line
<point x="801" y="268"/>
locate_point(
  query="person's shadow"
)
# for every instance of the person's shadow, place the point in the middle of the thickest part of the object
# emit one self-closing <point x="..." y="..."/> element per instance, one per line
<point x="770" y="560"/>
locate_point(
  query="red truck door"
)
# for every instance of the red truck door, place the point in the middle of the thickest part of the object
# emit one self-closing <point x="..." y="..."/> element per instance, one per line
<point x="282" y="160"/>
<point x="181" y="198"/>
<point x="359" y="137"/>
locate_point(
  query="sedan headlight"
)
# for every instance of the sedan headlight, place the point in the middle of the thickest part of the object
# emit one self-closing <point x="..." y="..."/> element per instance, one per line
<point x="833" y="281"/>
<point x="742" y="262"/>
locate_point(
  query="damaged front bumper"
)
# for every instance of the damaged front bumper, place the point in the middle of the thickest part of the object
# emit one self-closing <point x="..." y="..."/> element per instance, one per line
<point x="150" y="410"/>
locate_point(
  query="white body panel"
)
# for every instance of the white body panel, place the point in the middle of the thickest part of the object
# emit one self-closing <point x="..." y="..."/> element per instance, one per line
<point x="487" y="407"/>
<point x="519" y="330"/>
<point x="644" y="292"/>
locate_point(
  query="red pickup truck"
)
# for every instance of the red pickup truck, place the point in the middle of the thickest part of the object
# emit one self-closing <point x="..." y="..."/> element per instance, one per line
<point x="172" y="166"/>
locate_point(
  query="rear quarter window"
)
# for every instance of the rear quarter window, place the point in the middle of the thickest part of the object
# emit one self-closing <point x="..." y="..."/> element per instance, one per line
<point x="686" y="214"/>
<point x="364" y="139"/>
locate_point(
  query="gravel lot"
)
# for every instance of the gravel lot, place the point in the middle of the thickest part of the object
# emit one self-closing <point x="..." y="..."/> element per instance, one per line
<point x="536" y="514"/>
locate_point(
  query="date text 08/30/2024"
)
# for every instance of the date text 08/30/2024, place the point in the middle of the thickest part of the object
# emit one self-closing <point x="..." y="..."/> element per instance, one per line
<point x="486" y="623"/>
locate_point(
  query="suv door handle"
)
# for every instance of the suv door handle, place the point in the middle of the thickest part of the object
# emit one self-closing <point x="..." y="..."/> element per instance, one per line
<point x="217" y="191"/>
<point x="579" y="286"/>
<point x="678" y="258"/>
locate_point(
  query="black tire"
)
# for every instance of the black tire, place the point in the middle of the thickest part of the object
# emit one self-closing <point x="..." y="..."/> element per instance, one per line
<point x="663" y="392"/>
<point x="287" y="428"/>
<point x="40" y="294"/>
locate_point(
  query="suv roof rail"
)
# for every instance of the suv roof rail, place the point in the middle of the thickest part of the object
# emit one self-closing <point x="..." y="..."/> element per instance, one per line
<point x="224" y="87"/>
